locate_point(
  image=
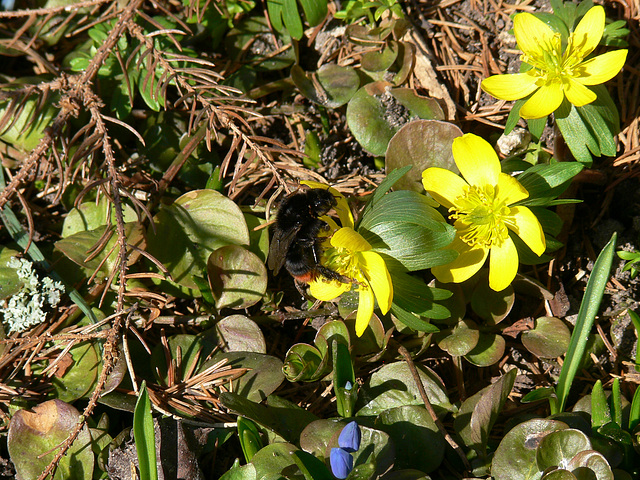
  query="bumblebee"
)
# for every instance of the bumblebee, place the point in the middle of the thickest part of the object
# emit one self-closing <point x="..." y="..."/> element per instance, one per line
<point x="296" y="243"/>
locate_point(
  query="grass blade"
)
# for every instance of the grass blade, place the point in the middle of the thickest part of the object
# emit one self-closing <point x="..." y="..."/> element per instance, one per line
<point x="144" y="436"/>
<point x="586" y="315"/>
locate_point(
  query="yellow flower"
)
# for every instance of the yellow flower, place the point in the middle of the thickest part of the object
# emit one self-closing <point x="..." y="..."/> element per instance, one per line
<point x="482" y="213"/>
<point x="554" y="73"/>
<point x="349" y="254"/>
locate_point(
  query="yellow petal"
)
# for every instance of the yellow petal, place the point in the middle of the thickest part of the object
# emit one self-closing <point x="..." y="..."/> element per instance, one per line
<point x="531" y="34"/>
<point x="528" y="228"/>
<point x="577" y="93"/>
<point x="327" y="291"/>
<point x="476" y="159"/>
<point x="469" y="261"/>
<point x="589" y="31"/>
<point x="545" y="101"/>
<point x="375" y="270"/>
<point x="510" y="190"/>
<point x="511" y="86"/>
<point x="365" y="309"/>
<point x="443" y="185"/>
<point x="503" y="265"/>
<point x="350" y="239"/>
<point x="601" y="68"/>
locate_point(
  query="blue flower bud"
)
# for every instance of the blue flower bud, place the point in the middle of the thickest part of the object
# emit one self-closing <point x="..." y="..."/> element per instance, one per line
<point x="341" y="463"/>
<point x="348" y="386"/>
<point x="349" y="438"/>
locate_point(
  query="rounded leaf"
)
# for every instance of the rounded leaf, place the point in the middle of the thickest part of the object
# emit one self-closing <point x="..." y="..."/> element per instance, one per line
<point x="394" y="386"/>
<point x="237" y="333"/>
<point x="558" y="448"/>
<point x="549" y="339"/>
<point x="10" y="283"/>
<point x="459" y="340"/>
<point x="515" y="457"/>
<point x="334" y="85"/>
<point x="237" y="277"/>
<point x="490" y="305"/>
<point x="34" y="437"/>
<point x="488" y="351"/>
<point x="423" y="144"/>
<point x="413" y="432"/>
<point x="185" y="233"/>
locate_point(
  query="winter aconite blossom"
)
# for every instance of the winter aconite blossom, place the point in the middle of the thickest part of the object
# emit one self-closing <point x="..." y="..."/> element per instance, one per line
<point x="556" y="73"/>
<point x="350" y="255"/>
<point x="483" y="213"/>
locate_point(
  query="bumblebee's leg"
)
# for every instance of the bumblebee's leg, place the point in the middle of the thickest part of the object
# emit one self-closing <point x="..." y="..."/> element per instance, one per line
<point x="332" y="275"/>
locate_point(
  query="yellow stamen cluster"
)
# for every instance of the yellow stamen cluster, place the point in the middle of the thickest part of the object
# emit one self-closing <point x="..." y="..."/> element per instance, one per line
<point x="482" y="218"/>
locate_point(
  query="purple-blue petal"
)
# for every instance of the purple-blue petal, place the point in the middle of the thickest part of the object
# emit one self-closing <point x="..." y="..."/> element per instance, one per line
<point x="341" y="463"/>
<point x="349" y="438"/>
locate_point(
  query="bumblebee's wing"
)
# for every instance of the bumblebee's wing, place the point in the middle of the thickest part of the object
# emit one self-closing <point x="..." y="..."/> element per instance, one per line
<point x="280" y="243"/>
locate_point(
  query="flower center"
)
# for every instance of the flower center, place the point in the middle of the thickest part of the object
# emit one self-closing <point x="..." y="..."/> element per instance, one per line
<point x="344" y="261"/>
<point x="481" y="218"/>
<point x="551" y="64"/>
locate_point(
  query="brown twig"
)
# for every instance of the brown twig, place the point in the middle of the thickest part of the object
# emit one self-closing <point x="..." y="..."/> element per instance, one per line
<point x="416" y="377"/>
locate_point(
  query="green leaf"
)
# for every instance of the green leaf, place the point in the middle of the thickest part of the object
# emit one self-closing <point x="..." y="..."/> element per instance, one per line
<point x="393" y="386"/>
<point x="558" y="448"/>
<point x="576" y="134"/>
<point x="634" y="413"/>
<point x="291" y="18"/>
<point x="237" y="333"/>
<point x="413" y="295"/>
<point x="549" y="338"/>
<point x="542" y="393"/>
<point x="460" y="339"/>
<point x="514" y="115"/>
<point x="411" y="320"/>
<point x="616" y="402"/>
<point x="635" y="318"/>
<point x="423" y="144"/>
<point x="488" y="351"/>
<point x="144" y="435"/>
<point x="536" y="126"/>
<point x="274" y="459"/>
<point x="515" y="457"/>
<point x="331" y="86"/>
<point x="249" y="437"/>
<point x="375" y="446"/>
<point x="413" y="432"/>
<point x="91" y="215"/>
<point x="10" y="283"/>
<point x="280" y="416"/>
<point x="315" y="11"/>
<point x="35" y="437"/>
<point x="311" y="467"/>
<point x="343" y="373"/>
<point x="402" y="206"/>
<point x="600" y="414"/>
<point x="478" y="413"/>
<point x="586" y="316"/>
<point x="304" y="363"/>
<point x="189" y="230"/>
<point x="237" y="277"/>
<point x="77" y="246"/>
<point x="274" y="9"/>
<point x="546" y="182"/>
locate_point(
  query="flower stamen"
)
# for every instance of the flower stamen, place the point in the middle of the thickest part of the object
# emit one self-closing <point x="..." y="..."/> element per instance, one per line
<point x="481" y="216"/>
